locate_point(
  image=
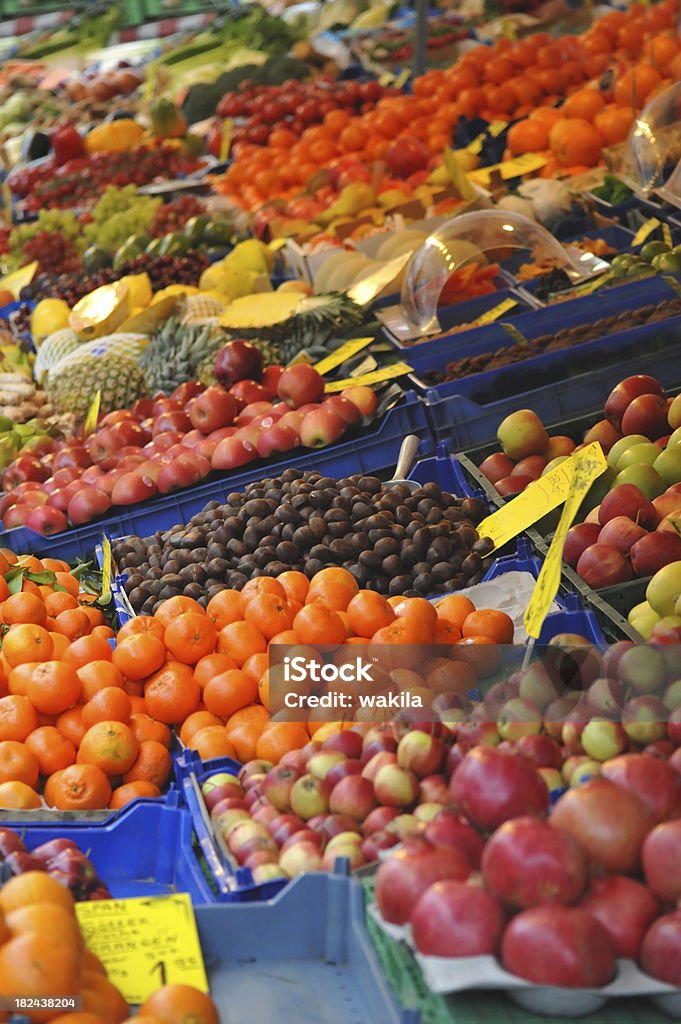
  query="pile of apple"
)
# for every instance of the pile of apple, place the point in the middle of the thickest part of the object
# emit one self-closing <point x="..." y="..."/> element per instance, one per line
<point x="560" y="899"/>
<point x="61" y="858"/>
<point x="164" y="444"/>
<point x="573" y="715"/>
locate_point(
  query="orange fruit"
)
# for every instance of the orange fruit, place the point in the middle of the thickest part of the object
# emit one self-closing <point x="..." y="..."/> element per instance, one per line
<point x="224" y="608"/>
<point x="180" y="1004"/>
<point x="240" y="640"/>
<point x="212" y="665"/>
<point x="368" y="612"/>
<point x="634" y="87"/>
<point x="140" y="655"/>
<point x="80" y="787"/>
<point x="66" y="580"/>
<point x="19" y="677"/>
<point x="152" y="764"/>
<point x="528" y="136"/>
<point x="195" y="722"/>
<point x="455" y="608"/>
<point x="17" y="763"/>
<point x="489" y="622"/>
<point x="270" y="614"/>
<point x="52" y="750"/>
<point x="174" y="606"/>
<point x="86" y="649"/>
<point x="334" y="587"/>
<point x="27" y="642"/>
<point x="257" y="664"/>
<point x="229" y="691"/>
<point x="132" y="791"/>
<point x="110" y="746"/>
<point x="190" y="637"/>
<point x="296" y="584"/>
<point x="73" y="623"/>
<point x="53" y="687"/>
<point x="257" y="587"/>
<point x="482" y="654"/>
<point x="46" y="919"/>
<point x="576" y="142"/>
<point x="70" y="724"/>
<point x="111" y="704"/>
<point x="614" y="123"/>
<point x="96" y="676"/>
<point x="141" y="624"/>
<point x="34" y="887"/>
<point x="23" y="608"/>
<point x="58" y="601"/>
<point x="212" y="742"/>
<point x="18" y="718"/>
<point x="278" y="738"/>
<point x="244" y="728"/>
<point x="20" y="796"/>
<point x="172" y="693"/>
<point x="39" y="965"/>
<point x="99" y="986"/>
<point x="145" y="727"/>
<point x="316" y="623"/>
<point x="585" y="103"/>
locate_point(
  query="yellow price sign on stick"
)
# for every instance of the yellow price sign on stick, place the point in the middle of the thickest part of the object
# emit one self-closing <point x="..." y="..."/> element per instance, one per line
<point x="90" y="424"/>
<point x="145" y="942"/>
<point x="645" y="230"/>
<point x="346" y="351"/>
<point x="588" y="465"/>
<point x="667" y="235"/>
<point x="106" y="570"/>
<point x="226" y="140"/>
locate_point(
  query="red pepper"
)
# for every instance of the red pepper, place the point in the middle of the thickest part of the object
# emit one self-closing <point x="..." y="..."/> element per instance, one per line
<point x="67" y="144"/>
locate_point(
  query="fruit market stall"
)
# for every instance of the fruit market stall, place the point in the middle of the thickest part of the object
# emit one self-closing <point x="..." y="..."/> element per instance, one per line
<point x="325" y="337"/>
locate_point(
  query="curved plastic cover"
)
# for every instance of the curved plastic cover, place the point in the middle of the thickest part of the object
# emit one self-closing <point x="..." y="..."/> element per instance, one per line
<point x="654" y="142"/>
<point x="482" y="236"/>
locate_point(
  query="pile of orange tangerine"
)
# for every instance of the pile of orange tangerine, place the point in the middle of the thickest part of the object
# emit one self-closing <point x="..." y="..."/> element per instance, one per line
<point x="89" y="723"/>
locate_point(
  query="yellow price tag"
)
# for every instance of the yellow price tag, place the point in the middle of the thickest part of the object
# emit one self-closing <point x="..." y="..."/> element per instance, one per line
<point x="145" y="942"/>
<point x="588" y="465"/>
<point x="276" y="244"/>
<point x="226" y="140"/>
<point x="495" y="312"/>
<point x="302" y="357"/>
<point x="106" y="570"/>
<point x="537" y="500"/>
<point x="457" y="175"/>
<point x="497" y="127"/>
<point x="525" y="164"/>
<point x="375" y="377"/>
<point x="591" y="286"/>
<point x="346" y="351"/>
<point x="401" y="79"/>
<point x="667" y="235"/>
<point x="90" y="424"/>
<point x="645" y="230"/>
<point x="508" y="30"/>
<point x="475" y="146"/>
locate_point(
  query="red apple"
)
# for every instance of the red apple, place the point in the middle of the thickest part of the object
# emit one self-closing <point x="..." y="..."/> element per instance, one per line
<point x="661" y="949"/>
<point x="238" y="360"/>
<point x="299" y="385"/>
<point x="354" y="796"/>
<point x="321" y="427"/>
<point x="233" y="452"/>
<point x="630" y="501"/>
<point x="625" y="908"/>
<point x="496" y="467"/>
<point x="132" y="488"/>
<point x="541" y="750"/>
<point x="309" y="796"/>
<point x="661" y="860"/>
<point x="183" y="471"/>
<point x="621" y="397"/>
<point x="578" y="539"/>
<point x="448" y="829"/>
<point x="653" y="781"/>
<point x="248" y="391"/>
<point x="277" y="438"/>
<point x="86" y="504"/>
<point x="363" y="397"/>
<point x="284" y="826"/>
<point x="491" y="786"/>
<point x="602" y="565"/>
<point x="378" y="819"/>
<point x="527" y="862"/>
<point x="558" y="946"/>
<point x="212" y="409"/>
<point x="344" y="408"/>
<point x="621" y="533"/>
<point x="421" y="753"/>
<point x="47" y="520"/>
<point x="655" y="550"/>
<point x="646" y="415"/>
<point x="403" y="877"/>
<point x="511" y="485"/>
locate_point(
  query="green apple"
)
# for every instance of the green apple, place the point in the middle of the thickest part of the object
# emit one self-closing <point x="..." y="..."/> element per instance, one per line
<point x="672" y="695"/>
<point x="643" y="618"/>
<point x="643" y="669"/>
<point x="645" y="478"/>
<point x="668" y="464"/>
<point x="644" y="453"/>
<point x="602" y="739"/>
<point x="674" y="413"/>
<point x="664" y="589"/>
<point x="675" y="438"/>
<point x="621" y="446"/>
<point x="554" y="464"/>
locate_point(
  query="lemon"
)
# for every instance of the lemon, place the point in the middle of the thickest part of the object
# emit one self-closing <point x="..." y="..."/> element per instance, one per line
<point x="49" y="315"/>
<point x="139" y="289"/>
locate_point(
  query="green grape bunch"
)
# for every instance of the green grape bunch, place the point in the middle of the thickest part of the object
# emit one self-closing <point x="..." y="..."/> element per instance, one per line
<point x="119" y="213"/>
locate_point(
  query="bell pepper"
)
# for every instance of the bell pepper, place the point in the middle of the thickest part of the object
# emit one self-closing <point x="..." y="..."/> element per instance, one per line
<point x="66" y="143"/>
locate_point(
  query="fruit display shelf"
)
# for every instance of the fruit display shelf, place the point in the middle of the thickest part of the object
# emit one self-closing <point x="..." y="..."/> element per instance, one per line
<point x="304" y="955"/>
<point x="374" y="450"/>
<point x="145" y="850"/>
<point x="481" y="1005"/>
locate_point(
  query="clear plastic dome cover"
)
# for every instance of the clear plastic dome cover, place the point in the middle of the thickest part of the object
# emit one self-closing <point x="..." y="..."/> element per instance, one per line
<point x="654" y="145"/>
<point x="482" y="236"/>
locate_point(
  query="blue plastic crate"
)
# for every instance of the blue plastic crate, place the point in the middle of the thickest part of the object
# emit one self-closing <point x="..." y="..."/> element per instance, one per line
<point x="303" y="956"/>
<point x="234" y="884"/>
<point x="144" y="851"/>
<point x="374" y="450"/>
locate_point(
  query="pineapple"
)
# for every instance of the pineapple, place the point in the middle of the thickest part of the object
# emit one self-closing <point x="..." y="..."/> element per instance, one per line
<point x="176" y="351"/>
<point x="119" y="379"/>
<point x="290" y="321"/>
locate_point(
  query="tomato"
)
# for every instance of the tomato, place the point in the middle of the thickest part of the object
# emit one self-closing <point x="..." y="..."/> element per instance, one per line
<point x="308" y="112"/>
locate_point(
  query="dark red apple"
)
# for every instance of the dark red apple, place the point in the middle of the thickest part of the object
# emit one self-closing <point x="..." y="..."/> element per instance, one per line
<point x="621" y="533"/>
<point x="602" y="565"/>
<point x="558" y="945"/>
<point x="625" y="908"/>
<point x="238" y="360"/>
<point x="646" y="415"/>
<point x="300" y="385"/>
<point x="623" y="395"/>
<point x="655" y="550"/>
<point x="490" y="786"/>
<point x="578" y="539"/>
<point x="86" y="504"/>
<point x="456" y="919"/>
<point x="630" y="501"/>
<point x="662" y="862"/>
<point x="47" y="520"/>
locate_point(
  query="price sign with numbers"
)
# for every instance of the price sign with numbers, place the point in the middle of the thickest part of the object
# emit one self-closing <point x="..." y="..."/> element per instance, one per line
<point x="145" y="942"/>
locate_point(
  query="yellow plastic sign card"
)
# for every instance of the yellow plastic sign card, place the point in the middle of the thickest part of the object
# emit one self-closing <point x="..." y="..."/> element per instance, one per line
<point x="145" y="942"/>
<point x="346" y="351"/>
<point x="537" y="500"/>
<point x="645" y="230"/>
<point x="90" y="424"/>
<point x="495" y="312"/>
<point x="106" y="570"/>
<point x="375" y="377"/>
<point x="589" y="464"/>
